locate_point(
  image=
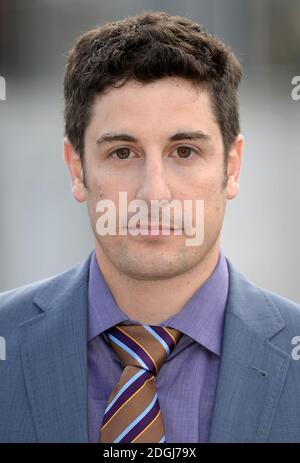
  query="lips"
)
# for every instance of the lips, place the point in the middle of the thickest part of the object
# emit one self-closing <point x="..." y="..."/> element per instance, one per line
<point x="154" y="227"/>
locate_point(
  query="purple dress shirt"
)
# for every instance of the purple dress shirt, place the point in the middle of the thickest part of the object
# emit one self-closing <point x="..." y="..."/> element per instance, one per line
<point x="187" y="381"/>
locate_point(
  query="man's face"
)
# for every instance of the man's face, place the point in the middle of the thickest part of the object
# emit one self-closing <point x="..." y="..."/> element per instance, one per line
<point x="156" y="167"/>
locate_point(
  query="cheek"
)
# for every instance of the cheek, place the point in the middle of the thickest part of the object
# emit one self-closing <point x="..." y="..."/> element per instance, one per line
<point x="100" y="184"/>
<point x="205" y="187"/>
<point x="209" y="189"/>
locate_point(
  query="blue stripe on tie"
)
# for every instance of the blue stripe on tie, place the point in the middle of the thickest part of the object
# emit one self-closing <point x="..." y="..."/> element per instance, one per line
<point x="130" y="351"/>
<point x="163" y="343"/>
<point x="123" y="389"/>
<point x="137" y="420"/>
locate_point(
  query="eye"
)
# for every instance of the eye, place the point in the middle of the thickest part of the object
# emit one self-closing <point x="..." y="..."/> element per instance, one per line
<point x="121" y="153"/>
<point x="185" y="152"/>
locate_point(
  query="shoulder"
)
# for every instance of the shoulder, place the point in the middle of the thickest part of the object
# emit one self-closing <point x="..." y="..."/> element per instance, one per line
<point x="22" y="303"/>
<point x="262" y="308"/>
<point x="289" y="310"/>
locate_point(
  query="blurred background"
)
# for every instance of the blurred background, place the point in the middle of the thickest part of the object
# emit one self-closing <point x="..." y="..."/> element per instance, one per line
<point x="44" y="231"/>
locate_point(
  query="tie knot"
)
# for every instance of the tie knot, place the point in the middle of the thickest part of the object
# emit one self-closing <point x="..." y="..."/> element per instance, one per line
<point x="144" y="346"/>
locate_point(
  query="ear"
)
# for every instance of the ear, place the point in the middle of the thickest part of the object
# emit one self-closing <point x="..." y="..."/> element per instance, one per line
<point x="73" y="162"/>
<point x="234" y="166"/>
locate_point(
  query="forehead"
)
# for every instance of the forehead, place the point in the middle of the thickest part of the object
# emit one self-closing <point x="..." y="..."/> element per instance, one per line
<point x="166" y="104"/>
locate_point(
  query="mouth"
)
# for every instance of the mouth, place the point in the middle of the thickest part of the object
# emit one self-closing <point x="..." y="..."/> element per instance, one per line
<point x="153" y="230"/>
<point x="154" y="227"/>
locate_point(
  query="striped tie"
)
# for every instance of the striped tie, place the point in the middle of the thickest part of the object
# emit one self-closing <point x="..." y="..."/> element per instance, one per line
<point x="133" y="412"/>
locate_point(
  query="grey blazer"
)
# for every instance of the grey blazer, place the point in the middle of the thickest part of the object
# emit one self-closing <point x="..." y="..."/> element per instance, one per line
<point x="43" y="393"/>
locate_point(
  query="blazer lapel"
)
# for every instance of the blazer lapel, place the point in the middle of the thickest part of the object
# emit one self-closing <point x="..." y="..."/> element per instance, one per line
<point x="252" y="369"/>
<point x="54" y="355"/>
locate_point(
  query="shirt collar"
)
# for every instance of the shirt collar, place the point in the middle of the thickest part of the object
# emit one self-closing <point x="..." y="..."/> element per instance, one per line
<point x="201" y="318"/>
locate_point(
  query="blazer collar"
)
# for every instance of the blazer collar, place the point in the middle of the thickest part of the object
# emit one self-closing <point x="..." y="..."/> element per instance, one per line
<point x="252" y="306"/>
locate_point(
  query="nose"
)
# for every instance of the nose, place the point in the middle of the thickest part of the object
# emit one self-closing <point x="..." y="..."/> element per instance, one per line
<point x="153" y="182"/>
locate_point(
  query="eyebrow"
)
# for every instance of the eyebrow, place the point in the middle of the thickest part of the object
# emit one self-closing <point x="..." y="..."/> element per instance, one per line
<point x="109" y="137"/>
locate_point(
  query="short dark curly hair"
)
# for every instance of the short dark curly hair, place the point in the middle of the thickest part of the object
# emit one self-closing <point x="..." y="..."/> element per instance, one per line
<point x="147" y="47"/>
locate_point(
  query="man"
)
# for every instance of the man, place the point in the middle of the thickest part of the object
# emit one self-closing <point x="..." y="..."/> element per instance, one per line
<point x="150" y="339"/>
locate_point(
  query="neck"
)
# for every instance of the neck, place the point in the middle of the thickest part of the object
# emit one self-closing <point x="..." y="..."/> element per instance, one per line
<point x="152" y="302"/>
